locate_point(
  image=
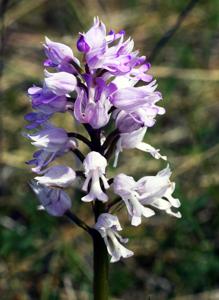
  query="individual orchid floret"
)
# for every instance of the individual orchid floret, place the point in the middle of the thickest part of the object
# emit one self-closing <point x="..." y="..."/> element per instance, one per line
<point x="93" y="107"/>
<point x="131" y="140"/>
<point x="157" y="191"/>
<point x="58" y="54"/>
<point x="108" y="226"/>
<point x="57" y="176"/>
<point x="95" y="165"/>
<point x="140" y="72"/>
<point x="130" y="99"/>
<point x="61" y="83"/>
<point x="150" y="149"/>
<point x="128" y="122"/>
<point x="55" y="201"/>
<point x="119" y="59"/>
<point x="42" y="158"/>
<point x="52" y="139"/>
<point x="134" y="76"/>
<point x="125" y="187"/>
<point x="138" y="112"/>
<point x="93" y="43"/>
<point x="45" y="101"/>
<point x="36" y="119"/>
<point x="133" y="118"/>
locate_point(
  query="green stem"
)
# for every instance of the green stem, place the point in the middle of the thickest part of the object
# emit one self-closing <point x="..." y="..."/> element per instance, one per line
<point x="101" y="269"/>
<point x="100" y="259"/>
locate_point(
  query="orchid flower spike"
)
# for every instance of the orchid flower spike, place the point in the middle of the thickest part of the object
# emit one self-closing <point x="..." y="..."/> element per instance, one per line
<point x="110" y="94"/>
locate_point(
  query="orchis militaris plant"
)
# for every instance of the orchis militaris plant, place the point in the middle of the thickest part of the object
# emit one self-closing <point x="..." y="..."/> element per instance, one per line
<point x="110" y="84"/>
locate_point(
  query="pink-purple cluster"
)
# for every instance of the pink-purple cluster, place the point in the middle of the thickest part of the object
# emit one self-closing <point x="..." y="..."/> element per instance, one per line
<point x="110" y="89"/>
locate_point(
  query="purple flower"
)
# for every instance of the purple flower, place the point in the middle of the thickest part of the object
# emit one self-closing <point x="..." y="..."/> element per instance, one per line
<point x="52" y="139"/>
<point x="58" y="176"/>
<point x="108" y="226"/>
<point x="57" y="53"/>
<point x="139" y="72"/>
<point x="36" y="119"/>
<point x="93" y="107"/>
<point x="93" y="43"/>
<point x="42" y="158"/>
<point x="95" y="165"/>
<point x="130" y="99"/>
<point x="112" y="86"/>
<point x="55" y="201"/>
<point x="45" y="101"/>
<point x="110" y="52"/>
<point x="128" y="122"/>
<point x="61" y="83"/>
<point x="82" y="44"/>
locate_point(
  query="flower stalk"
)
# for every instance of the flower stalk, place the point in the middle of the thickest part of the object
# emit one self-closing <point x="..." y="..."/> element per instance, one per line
<point x="100" y="261"/>
<point x="100" y="268"/>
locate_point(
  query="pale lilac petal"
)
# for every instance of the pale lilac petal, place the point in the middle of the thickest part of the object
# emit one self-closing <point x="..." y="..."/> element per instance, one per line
<point x="51" y="139"/>
<point x="45" y="101"/>
<point x="148" y="148"/>
<point x="107" y="221"/>
<point x="95" y="37"/>
<point x="60" y="176"/>
<point x="55" y="201"/>
<point x="60" y="83"/>
<point x="100" y="116"/>
<point x="57" y="52"/>
<point x="157" y="191"/>
<point x="108" y="225"/>
<point x="128" y="99"/>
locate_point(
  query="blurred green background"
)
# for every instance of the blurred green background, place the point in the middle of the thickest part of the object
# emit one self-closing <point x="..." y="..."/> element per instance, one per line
<point x="45" y="258"/>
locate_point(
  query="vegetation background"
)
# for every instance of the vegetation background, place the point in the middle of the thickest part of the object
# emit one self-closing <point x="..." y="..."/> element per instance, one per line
<point x="45" y="258"/>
